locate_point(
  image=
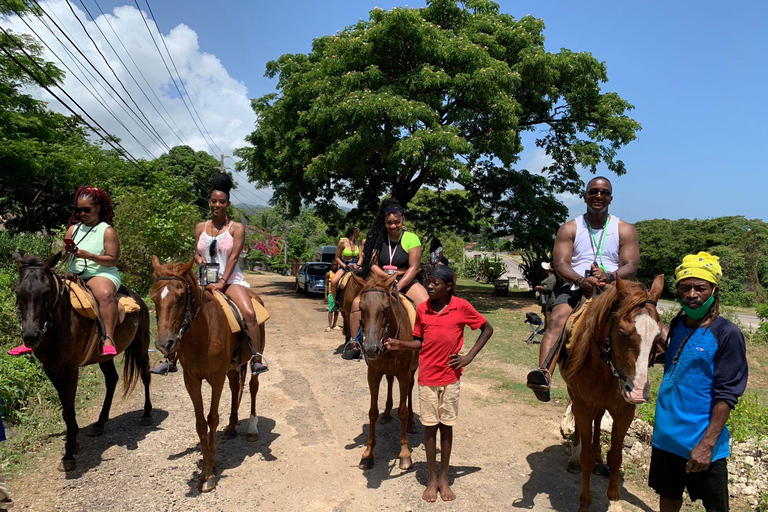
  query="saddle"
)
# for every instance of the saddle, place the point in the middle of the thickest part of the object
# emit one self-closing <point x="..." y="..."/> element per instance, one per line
<point x="409" y="308"/>
<point x="84" y="303"/>
<point x="233" y="314"/>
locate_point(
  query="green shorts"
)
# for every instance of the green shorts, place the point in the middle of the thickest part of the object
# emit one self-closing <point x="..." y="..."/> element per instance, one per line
<point x="332" y="306"/>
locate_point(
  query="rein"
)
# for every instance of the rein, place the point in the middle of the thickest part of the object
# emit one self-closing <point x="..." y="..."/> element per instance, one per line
<point x="606" y="352"/>
<point x="189" y="317"/>
<point x="59" y="294"/>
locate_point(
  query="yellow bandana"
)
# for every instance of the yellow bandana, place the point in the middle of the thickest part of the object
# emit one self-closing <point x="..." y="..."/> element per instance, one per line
<point x="703" y="266"/>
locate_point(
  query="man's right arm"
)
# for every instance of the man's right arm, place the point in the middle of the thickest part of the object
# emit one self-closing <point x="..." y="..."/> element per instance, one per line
<point x="562" y="254"/>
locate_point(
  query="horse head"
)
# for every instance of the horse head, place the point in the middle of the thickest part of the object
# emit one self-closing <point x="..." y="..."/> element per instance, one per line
<point x="175" y="294"/>
<point x="633" y="332"/>
<point x="379" y="307"/>
<point x="37" y="296"/>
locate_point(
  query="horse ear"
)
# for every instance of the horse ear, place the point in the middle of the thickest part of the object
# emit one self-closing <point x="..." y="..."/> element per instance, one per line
<point x="657" y="287"/>
<point x="391" y="281"/>
<point x="620" y="286"/>
<point x="53" y="260"/>
<point x="156" y="265"/>
<point x="17" y="257"/>
<point x="187" y="266"/>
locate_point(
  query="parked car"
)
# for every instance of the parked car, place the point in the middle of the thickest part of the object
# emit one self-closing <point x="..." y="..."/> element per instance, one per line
<point x="311" y="277"/>
<point x="326" y="253"/>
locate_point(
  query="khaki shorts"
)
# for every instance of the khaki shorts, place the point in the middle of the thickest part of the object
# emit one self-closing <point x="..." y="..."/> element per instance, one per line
<point x="439" y="404"/>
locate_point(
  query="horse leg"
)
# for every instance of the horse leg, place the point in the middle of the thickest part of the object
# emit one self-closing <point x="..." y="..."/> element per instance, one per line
<point x="621" y="423"/>
<point x="207" y="477"/>
<point x="600" y="468"/>
<point x="253" y="421"/>
<point x="374" y="380"/>
<point x="66" y="387"/>
<point x="411" y="421"/>
<point x="386" y="416"/>
<point x="573" y="462"/>
<point x="143" y="338"/>
<point x="194" y="385"/>
<point x="584" y="418"/>
<point x="110" y="379"/>
<point x="236" y="384"/>
<point x="403" y="380"/>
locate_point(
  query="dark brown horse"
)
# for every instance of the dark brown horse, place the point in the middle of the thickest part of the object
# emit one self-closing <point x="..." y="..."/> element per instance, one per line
<point x="349" y="293"/>
<point x="190" y="322"/>
<point x="383" y="316"/>
<point x="59" y="337"/>
<point x="607" y="369"/>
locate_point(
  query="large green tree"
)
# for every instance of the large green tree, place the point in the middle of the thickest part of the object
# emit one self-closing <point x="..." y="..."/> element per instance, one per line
<point x="428" y="97"/>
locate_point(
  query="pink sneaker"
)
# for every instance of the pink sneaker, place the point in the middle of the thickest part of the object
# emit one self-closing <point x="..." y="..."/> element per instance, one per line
<point x="109" y="350"/>
<point x="20" y="351"/>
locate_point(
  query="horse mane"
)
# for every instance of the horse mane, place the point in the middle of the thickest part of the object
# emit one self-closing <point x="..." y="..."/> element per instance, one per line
<point x="375" y="281"/>
<point x="594" y="325"/>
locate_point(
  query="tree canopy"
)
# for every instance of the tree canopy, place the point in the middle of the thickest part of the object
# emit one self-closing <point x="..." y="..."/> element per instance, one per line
<point x="429" y="97"/>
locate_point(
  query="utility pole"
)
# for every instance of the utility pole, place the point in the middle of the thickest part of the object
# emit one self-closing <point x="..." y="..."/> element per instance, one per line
<point x="221" y="168"/>
<point x="287" y="211"/>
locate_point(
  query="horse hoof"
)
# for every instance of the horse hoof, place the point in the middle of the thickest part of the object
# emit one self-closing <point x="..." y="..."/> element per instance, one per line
<point x="146" y="421"/>
<point x="230" y="434"/>
<point x="602" y="470"/>
<point x="573" y="467"/>
<point x="208" y="485"/>
<point x="252" y="438"/>
<point x="94" y="431"/>
<point x="366" y="464"/>
<point x="406" y="463"/>
<point x="67" y="465"/>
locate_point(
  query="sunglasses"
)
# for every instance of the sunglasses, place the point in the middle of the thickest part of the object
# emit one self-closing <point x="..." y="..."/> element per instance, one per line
<point x="84" y="209"/>
<point x="601" y="191"/>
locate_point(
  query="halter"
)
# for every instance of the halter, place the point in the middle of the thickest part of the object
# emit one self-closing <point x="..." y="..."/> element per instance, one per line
<point x="390" y="298"/>
<point x="59" y="293"/>
<point x="189" y="317"/>
<point x="606" y="352"/>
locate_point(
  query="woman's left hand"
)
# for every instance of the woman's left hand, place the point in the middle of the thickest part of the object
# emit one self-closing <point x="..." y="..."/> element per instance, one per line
<point x="215" y="286"/>
<point x="80" y="253"/>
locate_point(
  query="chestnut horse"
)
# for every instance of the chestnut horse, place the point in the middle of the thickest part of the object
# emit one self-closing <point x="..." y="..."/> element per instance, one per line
<point x="190" y="322"/>
<point x="607" y="369"/>
<point x="384" y="316"/>
<point x="349" y="293"/>
<point x="59" y="338"/>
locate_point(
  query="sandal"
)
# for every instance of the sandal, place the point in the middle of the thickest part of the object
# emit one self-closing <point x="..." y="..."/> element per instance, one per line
<point x="20" y="351"/>
<point x="109" y="350"/>
<point x="164" y="368"/>
<point x="257" y="367"/>
<point x="328" y="329"/>
<point x="351" y="352"/>
<point x="538" y="382"/>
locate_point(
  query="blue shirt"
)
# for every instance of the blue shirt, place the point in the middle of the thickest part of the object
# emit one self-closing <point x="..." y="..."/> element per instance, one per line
<point x="711" y="367"/>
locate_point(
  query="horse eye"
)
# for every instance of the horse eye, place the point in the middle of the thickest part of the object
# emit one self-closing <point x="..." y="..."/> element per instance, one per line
<point x="622" y="332"/>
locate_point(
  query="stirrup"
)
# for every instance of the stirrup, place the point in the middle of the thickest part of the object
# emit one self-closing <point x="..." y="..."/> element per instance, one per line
<point x="539" y="383"/>
<point x="257" y="367"/>
<point x="108" y="350"/>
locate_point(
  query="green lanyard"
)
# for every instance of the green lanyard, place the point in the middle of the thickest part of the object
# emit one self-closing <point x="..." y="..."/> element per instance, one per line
<point x="598" y="248"/>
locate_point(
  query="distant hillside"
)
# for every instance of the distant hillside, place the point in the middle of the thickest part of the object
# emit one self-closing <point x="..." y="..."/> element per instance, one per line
<point x="250" y="209"/>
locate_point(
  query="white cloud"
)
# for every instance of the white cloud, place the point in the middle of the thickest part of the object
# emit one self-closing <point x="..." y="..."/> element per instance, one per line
<point x="221" y="101"/>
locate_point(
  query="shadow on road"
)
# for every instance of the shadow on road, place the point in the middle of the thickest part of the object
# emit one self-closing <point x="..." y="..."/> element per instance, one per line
<point x="123" y="430"/>
<point x="231" y="453"/>
<point x="549" y="477"/>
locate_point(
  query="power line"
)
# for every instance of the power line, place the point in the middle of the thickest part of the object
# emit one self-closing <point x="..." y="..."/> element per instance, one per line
<point x="162" y="38"/>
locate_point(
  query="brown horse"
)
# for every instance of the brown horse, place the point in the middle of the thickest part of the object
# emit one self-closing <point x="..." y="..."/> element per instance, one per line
<point x="349" y="293"/>
<point x="607" y="369"/>
<point x="59" y="338"/>
<point x="190" y="322"/>
<point x="383" y="316"/>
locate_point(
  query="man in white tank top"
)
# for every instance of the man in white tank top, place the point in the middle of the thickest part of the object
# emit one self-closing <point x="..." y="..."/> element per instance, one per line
<point x="590" y="251"/>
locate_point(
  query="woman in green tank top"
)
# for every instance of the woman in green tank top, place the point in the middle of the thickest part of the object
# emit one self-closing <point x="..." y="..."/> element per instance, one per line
<point x="92" y="245"/>
<point x="348" y="256"/>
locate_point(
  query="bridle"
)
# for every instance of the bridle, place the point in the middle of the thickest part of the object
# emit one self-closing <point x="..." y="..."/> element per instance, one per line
<point x="189" y="316"/>
<point x="390" y="298"/>
<point x="606" y="352"/>
<point x="59" y="294"/>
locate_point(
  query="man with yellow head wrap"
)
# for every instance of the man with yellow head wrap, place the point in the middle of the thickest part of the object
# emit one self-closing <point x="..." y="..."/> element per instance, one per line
<point x="705" y="373"/>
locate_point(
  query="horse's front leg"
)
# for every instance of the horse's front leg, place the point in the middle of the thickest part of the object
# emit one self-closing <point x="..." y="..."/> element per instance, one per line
<point x="253" y="421"/>
<point x="584" y="418"/>
<point x="110" y="379"/>
<point x="621" y="422"/>
<point x="236" y="385"/>
<point x="66" y="387"/>
<point x="374" y="379"/>
<point x="194" y="389"/>
<point x="386" y="416"/>
<point x="208" y="475"/>
<point x="404" y="381"/>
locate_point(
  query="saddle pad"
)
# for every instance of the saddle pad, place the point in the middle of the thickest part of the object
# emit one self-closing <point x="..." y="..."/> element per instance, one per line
<point x="573" y="322"/>
<point x="262" y="315"/>
<point x="409" y="308"/>
<point x="344" y="280"/>
<point x="83" y="302"/>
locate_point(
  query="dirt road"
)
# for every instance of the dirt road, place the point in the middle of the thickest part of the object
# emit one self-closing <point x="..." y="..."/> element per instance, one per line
<point x="312" y="409"/>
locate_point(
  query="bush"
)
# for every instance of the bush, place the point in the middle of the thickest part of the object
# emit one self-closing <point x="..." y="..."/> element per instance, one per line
<point x="749" y="419"/>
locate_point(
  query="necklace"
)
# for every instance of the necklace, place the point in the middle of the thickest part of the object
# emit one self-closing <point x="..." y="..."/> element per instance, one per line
<point x="389" y="247"/>
<point x="597" y="247"/>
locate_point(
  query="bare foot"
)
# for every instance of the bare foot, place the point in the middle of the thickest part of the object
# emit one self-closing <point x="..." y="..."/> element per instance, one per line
<point x="430" y="493"/>
<point x="446" y="494"/>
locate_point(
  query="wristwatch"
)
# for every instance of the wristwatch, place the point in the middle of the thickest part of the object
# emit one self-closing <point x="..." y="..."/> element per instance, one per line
<point x="611" y="277"/>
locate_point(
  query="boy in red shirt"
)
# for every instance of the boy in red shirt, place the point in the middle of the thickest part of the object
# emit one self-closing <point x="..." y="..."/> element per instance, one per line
<point x="439" y="334"/>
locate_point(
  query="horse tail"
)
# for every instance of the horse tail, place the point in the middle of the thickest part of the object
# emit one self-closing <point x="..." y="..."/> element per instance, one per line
<point x="136" y="358"/>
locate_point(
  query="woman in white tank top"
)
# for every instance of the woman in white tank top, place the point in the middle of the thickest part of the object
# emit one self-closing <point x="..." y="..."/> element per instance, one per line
<point x="221" y="241"/>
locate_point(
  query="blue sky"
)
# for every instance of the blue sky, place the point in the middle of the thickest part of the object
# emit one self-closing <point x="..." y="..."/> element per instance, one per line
<point x="695" y="71"/>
